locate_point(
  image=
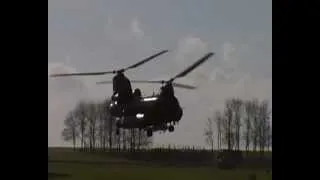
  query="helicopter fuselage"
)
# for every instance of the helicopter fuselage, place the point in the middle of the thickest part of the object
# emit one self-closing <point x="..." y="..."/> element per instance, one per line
<point x="152" y="112"/>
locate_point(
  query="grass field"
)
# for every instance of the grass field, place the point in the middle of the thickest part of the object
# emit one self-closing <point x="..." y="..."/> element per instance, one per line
<point x="65" y="164"/>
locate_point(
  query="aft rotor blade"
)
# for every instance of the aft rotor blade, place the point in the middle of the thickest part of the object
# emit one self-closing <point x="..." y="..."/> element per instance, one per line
<point x="82" y="74"/>
<point x="146" y="60"/>
<point x="179" y="85"/>
<point x="183" y="86"/>
<point x="193" y="66"/>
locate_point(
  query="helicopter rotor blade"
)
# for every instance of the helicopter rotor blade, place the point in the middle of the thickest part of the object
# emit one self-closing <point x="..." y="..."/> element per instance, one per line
<point x="193" y="66"/>
<point x="146" y="60"/>
<point x="111" y="72"/>
<point x="104" y="82"/>
<point x="183" y="86"/>
<point x="154" y="81"/>
<point x="134" y="81"/>
<point x="83" y="74"/>
<point x="179" y="85"/>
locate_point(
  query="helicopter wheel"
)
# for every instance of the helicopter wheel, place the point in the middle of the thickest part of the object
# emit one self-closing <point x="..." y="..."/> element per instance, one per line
<point x="149" y="132"/>
<point x="171" y="128"/>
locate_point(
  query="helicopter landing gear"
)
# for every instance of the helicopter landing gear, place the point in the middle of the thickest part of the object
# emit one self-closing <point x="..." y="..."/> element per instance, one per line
<point x="149" y="132"/>
<point x="171" y="128"/>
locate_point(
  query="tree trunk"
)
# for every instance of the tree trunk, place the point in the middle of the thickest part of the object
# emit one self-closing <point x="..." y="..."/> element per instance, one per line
<point x="74" y="140"/>
<point x="124" y="142"/>
<point x="110" y="134"/>
<point x="139" y="141"/>
<point x="82" y="135"/>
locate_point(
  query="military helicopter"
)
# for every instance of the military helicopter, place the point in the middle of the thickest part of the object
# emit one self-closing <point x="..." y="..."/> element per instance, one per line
<point x="153" y="113"/>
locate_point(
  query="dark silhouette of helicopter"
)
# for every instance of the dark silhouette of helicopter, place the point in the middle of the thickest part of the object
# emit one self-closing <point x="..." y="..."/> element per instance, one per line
<point x="153" y="113"/>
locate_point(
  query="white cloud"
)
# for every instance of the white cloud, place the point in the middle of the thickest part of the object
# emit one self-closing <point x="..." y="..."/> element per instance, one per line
<point x="190" y="49"/>
<point x="228" y="51"/>
<point x="136" y="28"/>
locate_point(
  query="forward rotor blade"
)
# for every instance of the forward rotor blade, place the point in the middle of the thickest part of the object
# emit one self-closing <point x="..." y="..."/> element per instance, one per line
<point x="104" y="82"/>
<point x="193" y="66"/>
<point x="110" y="82"/>
<point x="146" y="60"/>
<point x="110" y="72"/>
<point x="155" y="81"/>
<point x="82" y="74"/>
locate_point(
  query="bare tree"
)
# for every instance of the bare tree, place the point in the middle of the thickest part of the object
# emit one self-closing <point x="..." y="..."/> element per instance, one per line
<point x="70" y="131"/>
<point x="106" y="124"/>
<point x="228" y="125"/>
<point x="101" y="124"/>
<point x="80" y="114"/>
<point x="145" y="141"/>
<point x="218" y="120"/>
<point x="247" y="121"/>
<point x="269" y="141"/>
<point x="208" y="132"/>
<point x="255" y="123"/>
<point x="111" y="131"/>
<point x="118" y="141"/>
<point x="92" y="114"/>
<point x="236" y="104"/>
<point x="106" y="118"/>
<point x="136" y="138"/>
<point x="124" y="139"/>
<point x="132" y="139"/>
<point x="264" y="116"/>
<point x="139" y="138"/>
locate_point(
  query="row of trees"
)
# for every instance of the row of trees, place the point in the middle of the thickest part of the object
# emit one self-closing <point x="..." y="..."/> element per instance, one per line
<point x="243" y="123"/>
<point x="89" y="125"/>
<point x="240" y="124"/>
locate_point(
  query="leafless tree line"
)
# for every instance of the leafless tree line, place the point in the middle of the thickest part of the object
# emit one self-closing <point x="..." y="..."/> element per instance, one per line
<point x="242" y="122"/>
<point x="90" y="125"/>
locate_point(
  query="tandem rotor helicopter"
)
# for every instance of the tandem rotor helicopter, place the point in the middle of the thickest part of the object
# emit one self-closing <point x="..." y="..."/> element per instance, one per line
<point x="158" y="112"/>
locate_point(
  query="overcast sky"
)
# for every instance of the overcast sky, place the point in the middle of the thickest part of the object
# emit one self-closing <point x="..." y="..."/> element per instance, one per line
<point x="95" y="35"/>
